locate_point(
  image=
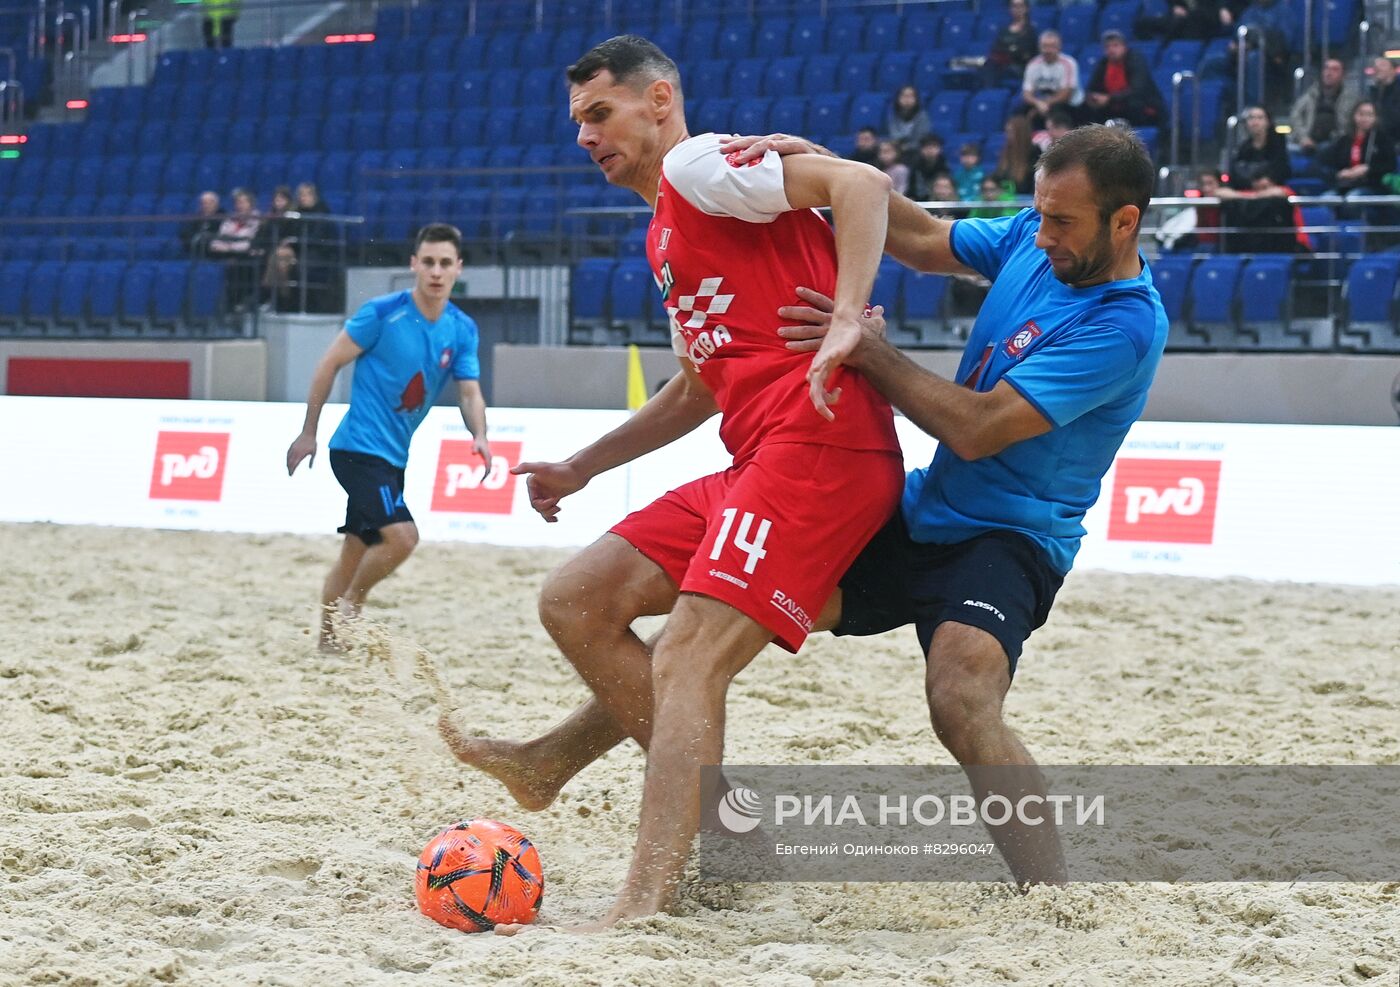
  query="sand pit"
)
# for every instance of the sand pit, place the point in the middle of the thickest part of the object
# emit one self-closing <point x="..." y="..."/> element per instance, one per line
<point x="191" y="794"/>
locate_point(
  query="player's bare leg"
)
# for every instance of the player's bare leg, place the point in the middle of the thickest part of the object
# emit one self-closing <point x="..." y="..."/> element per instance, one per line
<point x="704" y="645"/>
<point x="966" y="682"/>
<point x="587" y="605"/>
<point x="534" y="771"/>
<point x="337" y="582"/>
<point x="397" y="542"/>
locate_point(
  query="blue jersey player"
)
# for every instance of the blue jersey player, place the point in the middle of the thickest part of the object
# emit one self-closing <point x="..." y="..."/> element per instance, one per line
<point x="404" y="347"/>
<point x="1056" y="370"/>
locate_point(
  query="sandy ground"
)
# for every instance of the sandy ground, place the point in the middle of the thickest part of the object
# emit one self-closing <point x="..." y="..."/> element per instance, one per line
<point x="190" y="794"/>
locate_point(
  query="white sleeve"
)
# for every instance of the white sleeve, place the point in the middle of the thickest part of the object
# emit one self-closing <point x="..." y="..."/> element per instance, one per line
<point x="705" y="178"/>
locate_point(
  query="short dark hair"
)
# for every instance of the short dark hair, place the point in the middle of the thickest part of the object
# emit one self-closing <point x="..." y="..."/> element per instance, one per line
<point x="438" y="233"/>
<point x="1116" y="161"/>
<point x="1060" y="115"/>
<point x="632" y="60"/>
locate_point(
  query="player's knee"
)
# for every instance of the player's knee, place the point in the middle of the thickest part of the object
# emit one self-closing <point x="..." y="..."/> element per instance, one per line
<point x="569" y="605"/>
<point x="965" y="687"/>
<point x="403" y="537"/>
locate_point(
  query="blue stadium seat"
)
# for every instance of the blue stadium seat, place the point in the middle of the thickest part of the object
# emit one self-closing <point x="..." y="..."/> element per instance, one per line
<point x="773" y="37"/>
<point x="14" y="282"/>
<point x="500" y="126"/>
<point x="467" y="127"/>
<point x="1077" y="27"/>
<point x="959" y="33"/>
<point x="41" y="294"/>
<point x="1171" y="276"/>
<point x="883" y="33"/>
<point x="845" y="33"/>
<point x="1265" y="292"/>
<point x="746" y="77"/>
<point x="629" y="292"/>
<point x="925" y="310"/>
<point x="987" y="106"/>
<point x="734" y="39"/>
<point x="868" y="109"/>
<point x="1180" y="56"/>
<point x="789" y="116"/>
<point x="136" y="296"/>
<point x="751" y="116"/>
<point x="826" y="114"/>
<point x="206" y="294"/>
<point x="1117" y="15"/>
<point x="893" y="71"/>
<point x="171" y="282"/>
<point x="74" y="280"/>
<point x="1370" y="292"/>
<point x="945" y="111"/>
<point x="820" y="75"/>
<point x="888" y="291"/>
<point x="710" y="79"/>
<point x="921" y="31"/>
<point x="1214" y="314"/>
<point x="808" y="36"/>
<point x="589" y="283"/>
<point x="784" y="77"/>
<point x="857" y="73"/>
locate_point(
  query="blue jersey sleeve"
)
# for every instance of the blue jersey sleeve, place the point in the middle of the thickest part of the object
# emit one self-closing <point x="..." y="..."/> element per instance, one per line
<point x="984" y="244"/>
<point x="364" y="326"/>
<point x="466" y="365"/>
<point x="1082" y="370"/>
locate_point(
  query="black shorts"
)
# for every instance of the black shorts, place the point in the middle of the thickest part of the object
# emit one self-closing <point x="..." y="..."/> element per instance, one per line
<point x="999" y="581"/>
<point x="375" y="490"/>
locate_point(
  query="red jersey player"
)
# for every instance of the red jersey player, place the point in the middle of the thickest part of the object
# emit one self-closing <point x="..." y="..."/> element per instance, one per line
<point x="746" y="556"/>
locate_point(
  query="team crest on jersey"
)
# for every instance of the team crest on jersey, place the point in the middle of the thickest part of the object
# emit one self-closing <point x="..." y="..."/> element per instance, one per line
<point x="445" y="358"/>
<point x="1017" y="344"/>
<point x="690" y="315"/>
<point x="665" y="238"/>
<point x="733" y="160"/>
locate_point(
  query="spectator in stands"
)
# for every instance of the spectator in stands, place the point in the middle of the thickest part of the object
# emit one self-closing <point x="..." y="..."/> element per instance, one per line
<point x="197" y="233"/>
<point x="1121" y="87"/>
<point x="992" y="190"/>
<point x="1190" y="19"/>
<point x="274" y="225"/>
<point x="889" y="162"/>
<point x="317" y="248"/>
<point x="234" y="243"/>
<point x="929" y="164"/>
<point x="1386" y="95"/>
<point x="1208" y="218"/>
<point x="1058" y="122"/>
<point x="1012" y="48"/>
<point x="1261" y="218"/>
<point x="281" y="287"/>
<point x="907" y="123"/>
<point x="1322" y="111"/>
<point x="1016" y="165"/>
<point x="1357" y="162"/>
<point x="1263" y="150"/>
<point x="219" y="18"/>
<point x="867" y="149"/>
<point x="943" y="190"/>
<point x="1268" y="20"/>
<point x="1051" y="79"/>
<point x="968" y="175"/>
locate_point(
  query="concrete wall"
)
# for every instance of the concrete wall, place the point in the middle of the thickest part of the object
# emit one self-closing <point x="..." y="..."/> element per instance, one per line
<point x="227" y="370"/>
<point x="1282" y="388"/>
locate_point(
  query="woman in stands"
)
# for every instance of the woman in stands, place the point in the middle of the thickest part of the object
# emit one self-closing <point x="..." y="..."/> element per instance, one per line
<point x="907" y="122"/>
<point x="1263" y="151"/>
<point x="1357" y="161"/>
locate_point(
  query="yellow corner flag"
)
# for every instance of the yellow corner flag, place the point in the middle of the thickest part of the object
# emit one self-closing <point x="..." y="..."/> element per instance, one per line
<point x="636" y="382"/>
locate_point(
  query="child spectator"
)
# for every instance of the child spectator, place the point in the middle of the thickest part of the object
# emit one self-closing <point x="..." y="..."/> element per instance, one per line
<point x="1016" y="165"/>
<point x="992" y="190"/>
<point x="867" y="149"/>
<point x="927" y="166"/>
<point x="943" y="190"/>
<point x="889" y="162"/>
<point x="968" y="175"/>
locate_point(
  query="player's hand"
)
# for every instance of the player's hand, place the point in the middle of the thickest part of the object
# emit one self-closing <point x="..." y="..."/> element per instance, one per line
<point x="304" y="446"/>
<point x="549" y="483"/>
<point x="482" y="449"/>
<point x="746" y="149"/>
<point x="814" y="319"/>
<point x="836" y="349"/>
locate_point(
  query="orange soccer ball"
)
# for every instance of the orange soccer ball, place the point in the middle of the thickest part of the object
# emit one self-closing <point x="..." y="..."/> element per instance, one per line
<point x="479" y="874"/>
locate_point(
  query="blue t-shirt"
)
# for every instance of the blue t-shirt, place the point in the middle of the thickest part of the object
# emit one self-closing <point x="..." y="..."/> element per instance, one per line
<point x="405" y="362"/>
<point x="1084" y="357"/>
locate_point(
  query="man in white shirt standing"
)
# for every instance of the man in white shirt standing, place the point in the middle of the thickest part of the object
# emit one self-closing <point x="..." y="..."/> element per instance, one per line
<point x="1051" y="79"/>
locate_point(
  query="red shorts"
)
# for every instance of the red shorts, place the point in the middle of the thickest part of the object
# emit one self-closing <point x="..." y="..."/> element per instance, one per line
<point x="771" y="537"/>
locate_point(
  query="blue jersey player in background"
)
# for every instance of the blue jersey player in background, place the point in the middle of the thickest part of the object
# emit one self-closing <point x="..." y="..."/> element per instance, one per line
<point x="404" y="347"/>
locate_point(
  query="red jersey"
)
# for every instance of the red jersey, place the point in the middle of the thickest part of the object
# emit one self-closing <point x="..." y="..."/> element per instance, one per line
<point x="727" y="251"/>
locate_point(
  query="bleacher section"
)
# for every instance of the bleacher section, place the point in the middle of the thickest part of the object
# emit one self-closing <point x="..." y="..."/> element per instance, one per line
<point x="466" y="122"/>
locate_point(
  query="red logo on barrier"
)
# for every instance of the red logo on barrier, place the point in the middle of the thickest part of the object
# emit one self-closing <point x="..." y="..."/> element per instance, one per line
<point x="1164" y="500"/>
<point x="189" y="466"/>
<point x="465" y="485"/>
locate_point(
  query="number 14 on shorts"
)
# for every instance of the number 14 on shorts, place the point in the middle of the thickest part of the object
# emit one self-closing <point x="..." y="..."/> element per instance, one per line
<point x="754" y="549"/>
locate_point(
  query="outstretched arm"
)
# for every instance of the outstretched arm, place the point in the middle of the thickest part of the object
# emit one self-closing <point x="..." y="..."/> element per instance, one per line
<point x="676" y="410"/>
<point x="342" y="350"/>
<point x="472" y="403"/>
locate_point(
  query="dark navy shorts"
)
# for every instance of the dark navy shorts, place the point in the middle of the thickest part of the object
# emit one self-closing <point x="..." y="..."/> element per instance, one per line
<point x="1000" y="582"/>
<point x="375" y="490"/>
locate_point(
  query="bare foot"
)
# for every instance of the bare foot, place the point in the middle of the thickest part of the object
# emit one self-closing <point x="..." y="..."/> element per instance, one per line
<point x="508" y="761"/>
<point x="584" y="929"/>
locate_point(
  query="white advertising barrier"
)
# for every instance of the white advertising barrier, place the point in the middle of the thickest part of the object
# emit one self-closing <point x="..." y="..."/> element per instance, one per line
<point x="1306" y="503"/>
